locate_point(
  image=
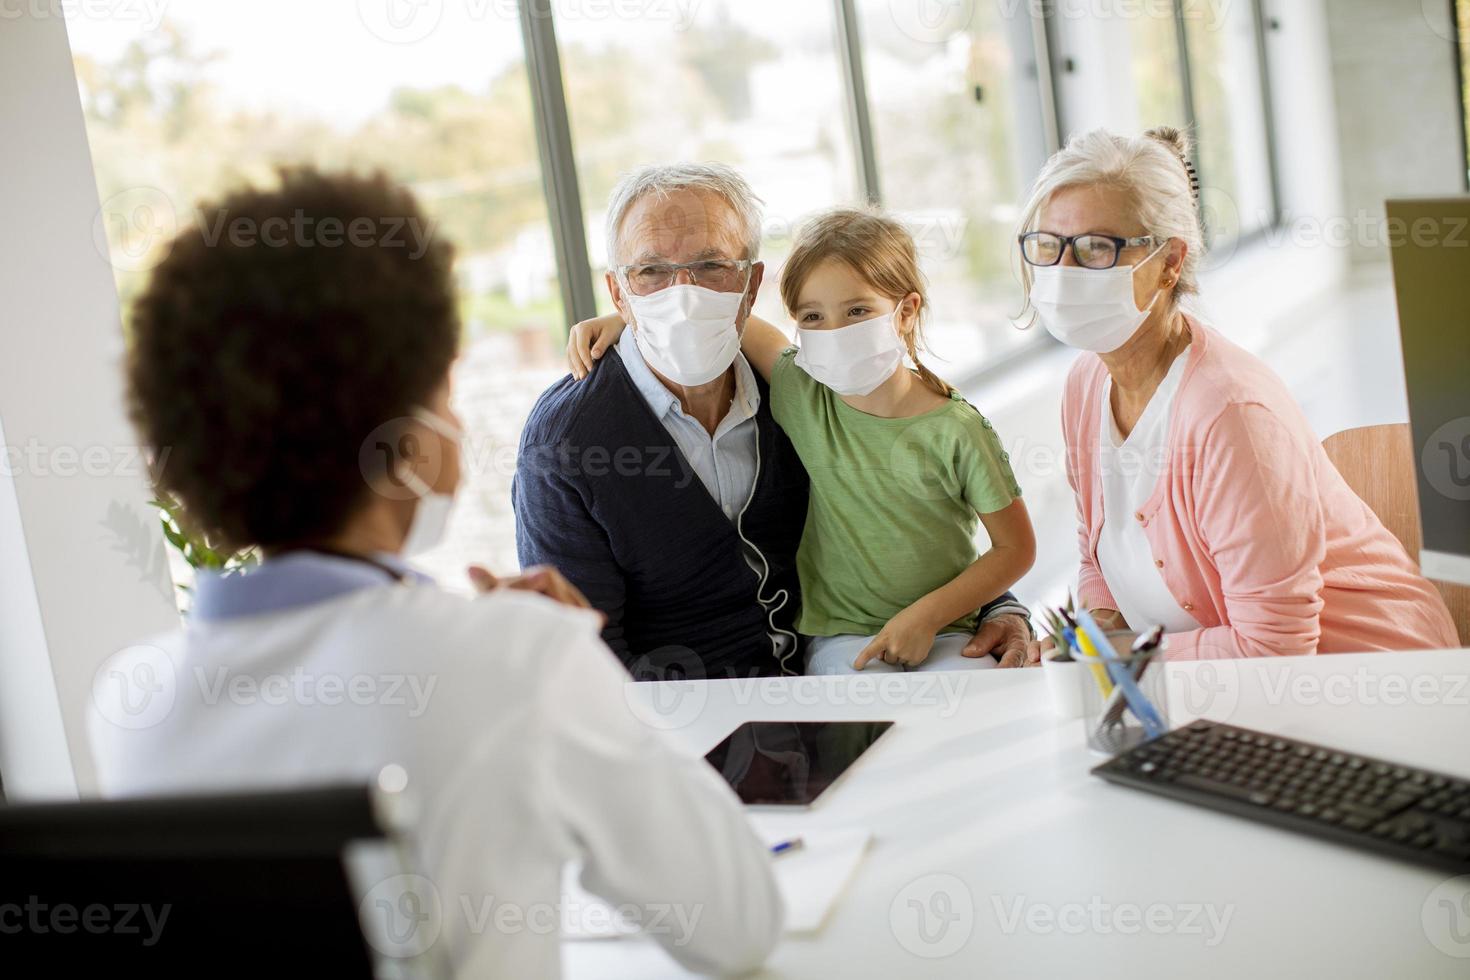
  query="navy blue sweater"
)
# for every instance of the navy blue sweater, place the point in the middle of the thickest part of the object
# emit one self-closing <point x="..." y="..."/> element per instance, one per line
<point x="603" y="494"/>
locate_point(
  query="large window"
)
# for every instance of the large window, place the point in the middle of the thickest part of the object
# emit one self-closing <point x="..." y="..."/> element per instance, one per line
<point x="942" y="112"/>
<point x="956" y="125"/>
<point x="221" y="92"/>
<point x="756" y="84"/>
<point x="1194" y="66"/>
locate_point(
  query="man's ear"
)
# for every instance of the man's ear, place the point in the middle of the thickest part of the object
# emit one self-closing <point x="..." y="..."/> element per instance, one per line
<point x="615" y="291"/>
<point x="757" y="276"/>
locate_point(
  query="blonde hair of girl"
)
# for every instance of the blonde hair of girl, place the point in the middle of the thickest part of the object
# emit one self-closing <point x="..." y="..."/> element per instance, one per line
<point x="879" y="250"/>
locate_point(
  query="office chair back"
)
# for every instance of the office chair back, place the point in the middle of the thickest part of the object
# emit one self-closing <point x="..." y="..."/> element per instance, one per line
<point x="237" y="885"/>
<point x="1378" y="462"/>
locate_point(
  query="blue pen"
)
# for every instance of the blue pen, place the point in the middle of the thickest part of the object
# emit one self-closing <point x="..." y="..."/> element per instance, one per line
<point x="1153" y="725"/>
<point x="794" y="844"/>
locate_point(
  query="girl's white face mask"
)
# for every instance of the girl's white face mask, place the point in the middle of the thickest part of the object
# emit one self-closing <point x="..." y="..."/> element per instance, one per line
<point x="1090" y="309"/>
<point x="687" y="333"/>
<point x="855" y="359"/>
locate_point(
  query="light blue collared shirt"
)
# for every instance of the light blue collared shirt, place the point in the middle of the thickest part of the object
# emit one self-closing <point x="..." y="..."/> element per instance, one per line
<point x="724" y="462"/>
<point x="293" y="580"/>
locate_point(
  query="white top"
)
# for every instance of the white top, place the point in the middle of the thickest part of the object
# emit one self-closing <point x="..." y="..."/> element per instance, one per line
<point x="510" y="717"/>
<point x="1131" y="469"/>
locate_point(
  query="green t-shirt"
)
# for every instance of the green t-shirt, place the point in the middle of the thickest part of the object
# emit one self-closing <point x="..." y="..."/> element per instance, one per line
<point x="893" y="504"/>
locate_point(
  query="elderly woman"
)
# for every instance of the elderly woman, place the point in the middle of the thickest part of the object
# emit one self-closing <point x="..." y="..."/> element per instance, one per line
<point x="1205" y="502"/>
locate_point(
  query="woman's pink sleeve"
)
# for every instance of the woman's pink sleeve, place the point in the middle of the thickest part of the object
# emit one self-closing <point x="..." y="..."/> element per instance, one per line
<point x="1259" y="512"/>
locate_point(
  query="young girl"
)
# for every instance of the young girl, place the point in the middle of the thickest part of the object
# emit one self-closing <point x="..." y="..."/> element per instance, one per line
<point x="900" y="464"/>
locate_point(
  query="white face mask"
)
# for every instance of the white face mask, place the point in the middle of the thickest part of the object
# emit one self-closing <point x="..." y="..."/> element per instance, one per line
<point x="687" y="333"/>
<point x="855" y="359"/>
<point x="1089" y="309"/>
<point x="431" y="513"/>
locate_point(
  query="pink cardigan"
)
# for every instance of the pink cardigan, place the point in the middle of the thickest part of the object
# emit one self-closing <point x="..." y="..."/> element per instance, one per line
<point x="1254" y="531"/>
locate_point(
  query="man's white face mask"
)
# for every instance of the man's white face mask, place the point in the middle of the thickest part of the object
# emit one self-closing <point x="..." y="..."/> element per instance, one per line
<point x="687" y="333"/>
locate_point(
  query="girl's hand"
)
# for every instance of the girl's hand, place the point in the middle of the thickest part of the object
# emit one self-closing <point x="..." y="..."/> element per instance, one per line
<point x="589" y="340"/>
<point x="1037" y="649"/>
<point x="905" y="641"/>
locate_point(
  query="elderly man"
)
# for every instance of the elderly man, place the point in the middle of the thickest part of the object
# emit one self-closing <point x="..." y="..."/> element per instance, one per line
<point x="661" y="486"/>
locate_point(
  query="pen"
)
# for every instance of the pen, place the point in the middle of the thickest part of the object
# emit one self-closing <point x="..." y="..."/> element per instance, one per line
<point x="786" y="846"/>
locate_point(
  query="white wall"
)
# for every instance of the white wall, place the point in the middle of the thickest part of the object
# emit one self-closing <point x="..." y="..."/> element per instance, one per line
<point x="82" y="569"/>
<point x="1398" y="107"/>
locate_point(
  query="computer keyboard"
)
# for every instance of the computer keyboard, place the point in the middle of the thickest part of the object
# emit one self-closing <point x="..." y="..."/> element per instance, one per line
<point x="1380" y="806"/>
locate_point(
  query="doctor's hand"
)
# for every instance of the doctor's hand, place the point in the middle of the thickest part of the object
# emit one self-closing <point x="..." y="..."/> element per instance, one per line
<point x="589" y="340"/>
<point x="542" y="579"/>
<point x="1008" y="639"/>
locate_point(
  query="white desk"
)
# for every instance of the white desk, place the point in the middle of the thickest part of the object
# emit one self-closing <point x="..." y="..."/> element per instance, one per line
<point x="984" y="814"/>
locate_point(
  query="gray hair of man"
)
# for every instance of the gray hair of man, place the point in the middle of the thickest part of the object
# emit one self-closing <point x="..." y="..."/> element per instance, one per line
<point x="1153" y="174"/>
<point x="661" y="181"/>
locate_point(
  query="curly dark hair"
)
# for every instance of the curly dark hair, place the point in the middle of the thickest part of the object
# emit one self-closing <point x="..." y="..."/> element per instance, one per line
<point x="280" y="331"/>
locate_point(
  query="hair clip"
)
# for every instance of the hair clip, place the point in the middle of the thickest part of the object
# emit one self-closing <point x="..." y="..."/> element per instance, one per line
<point x="1193" y="178"/>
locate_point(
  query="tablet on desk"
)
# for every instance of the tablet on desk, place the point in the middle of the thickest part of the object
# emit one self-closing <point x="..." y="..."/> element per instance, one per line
<point x="791" y="763"/>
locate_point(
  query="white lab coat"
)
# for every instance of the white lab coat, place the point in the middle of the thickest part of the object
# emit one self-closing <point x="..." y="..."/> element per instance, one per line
<point x="509" y="715"/>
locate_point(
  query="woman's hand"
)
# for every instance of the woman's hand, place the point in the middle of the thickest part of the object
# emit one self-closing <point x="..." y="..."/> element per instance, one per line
<point x="1037" y="649"/>
<point x="589" y="340"/>
<point x="541" y="579"/>
<point x="905" y="641"/>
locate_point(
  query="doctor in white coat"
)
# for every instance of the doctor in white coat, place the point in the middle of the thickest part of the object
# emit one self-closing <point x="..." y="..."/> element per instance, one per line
<point x="296" y="396"/>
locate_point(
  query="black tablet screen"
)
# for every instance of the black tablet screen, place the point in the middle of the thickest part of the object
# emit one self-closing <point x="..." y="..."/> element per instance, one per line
<point x="790" y="763"/>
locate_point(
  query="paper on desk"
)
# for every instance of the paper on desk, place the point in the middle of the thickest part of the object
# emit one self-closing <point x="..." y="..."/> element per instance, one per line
<point x="810" y="881"/>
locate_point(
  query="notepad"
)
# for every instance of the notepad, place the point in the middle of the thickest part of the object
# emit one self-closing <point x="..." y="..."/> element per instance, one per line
<point x="810" y="880"/>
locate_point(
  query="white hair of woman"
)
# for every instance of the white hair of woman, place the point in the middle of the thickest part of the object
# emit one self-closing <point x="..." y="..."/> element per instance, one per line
<point x="1153" y="171"/>
<point x="661" y="181"/>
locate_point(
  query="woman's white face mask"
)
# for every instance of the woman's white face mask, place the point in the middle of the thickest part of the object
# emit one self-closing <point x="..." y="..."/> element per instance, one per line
<point x="431" y="514"/>
<point x="1090" y="309"/>
<point x="855" y="359"/>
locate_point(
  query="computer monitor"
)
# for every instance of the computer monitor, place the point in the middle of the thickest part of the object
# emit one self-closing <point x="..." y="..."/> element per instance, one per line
<point x="1429" y="241"/>
<point x="281" y="883"/>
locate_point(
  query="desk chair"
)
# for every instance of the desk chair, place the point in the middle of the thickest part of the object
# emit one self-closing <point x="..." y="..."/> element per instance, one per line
<point x="260" y="885"/>
<point x="1378" y="462"/>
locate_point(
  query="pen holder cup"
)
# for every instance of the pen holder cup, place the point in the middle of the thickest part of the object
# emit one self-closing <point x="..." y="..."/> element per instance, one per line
<point x="1115" y="722"/>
